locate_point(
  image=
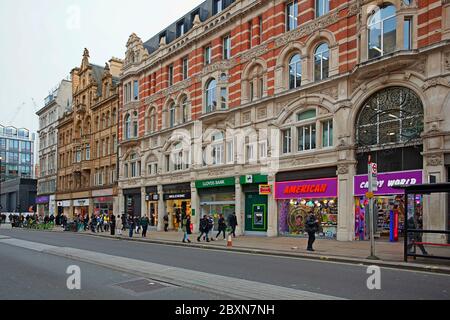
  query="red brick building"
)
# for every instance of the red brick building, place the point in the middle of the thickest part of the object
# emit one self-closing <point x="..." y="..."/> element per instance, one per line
<point x="297" y="80"/>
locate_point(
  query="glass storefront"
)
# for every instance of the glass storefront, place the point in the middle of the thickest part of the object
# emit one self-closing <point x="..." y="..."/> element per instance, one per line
<point x="103" y="205"/>
<point x="216" y="204"/>
<point x="177" y="209"/>
<point x="81" y="208"/>
<point x="298" y="199"/>
<point x="217" y="197"/>
<point x="389" y="205"/>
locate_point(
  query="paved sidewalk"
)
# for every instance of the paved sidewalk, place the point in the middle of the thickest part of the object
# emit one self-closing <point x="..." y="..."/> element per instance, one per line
<point x="390" y="254"/>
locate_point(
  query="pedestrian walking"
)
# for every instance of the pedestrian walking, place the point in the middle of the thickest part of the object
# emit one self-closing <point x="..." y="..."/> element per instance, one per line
<point x="144" y="224"/>
<point x="186" y="228"/>
<point x="415" y="238"/>
<point x="119" y="225"/>
<point x="106" y="222"/>
<point x="166" y="223"/>
<point x="137" y="223"/>
<point x="222" y="227"/>
<point x="203" y="228"/>
<point x="232" y="222"/>
<point x="311" y="227"/>
<point x="131" y="226"/>
<point x="124" y="222"/>
<point x="113" y="225"/>
<point x="210" y="227"/>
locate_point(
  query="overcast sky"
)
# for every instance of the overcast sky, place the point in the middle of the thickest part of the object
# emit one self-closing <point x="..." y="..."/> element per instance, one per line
<point x="42" y="40"/>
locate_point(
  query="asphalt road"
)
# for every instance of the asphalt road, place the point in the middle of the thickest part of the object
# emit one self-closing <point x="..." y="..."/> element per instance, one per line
<point x="27" y="275"/>
<point x="335" y="279"/>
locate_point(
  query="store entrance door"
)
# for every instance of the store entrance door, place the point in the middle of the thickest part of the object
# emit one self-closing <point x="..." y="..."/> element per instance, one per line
<point x="255" y="212"/>
<point x="215" y="209"/>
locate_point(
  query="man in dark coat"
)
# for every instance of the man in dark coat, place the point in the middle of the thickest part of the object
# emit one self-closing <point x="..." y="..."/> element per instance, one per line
<point x="203" y="228"/>
<point x="144" y="224"/>
<point x="113" y="225"/>
<point x="232" y="222"/>
<point x="222" y="227"/>
<point x="311" y="227"/>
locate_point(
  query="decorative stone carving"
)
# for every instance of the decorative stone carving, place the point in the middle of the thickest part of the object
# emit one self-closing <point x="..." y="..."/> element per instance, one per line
<point x="246" y="117"/>
<point x="219" y="66"/>
<point x="436" y="82"/>
<point x="304" y="161"/>
<point x="216" y="173"/>
<point x="254" y="53"/>
<point x="331" y="92"/>
<point x="420" y="66"/>
<point x="342" y="169"/>
<point x="434" y="160"/>
<point x="447" y="57"/>
<point x="262" y="113"/>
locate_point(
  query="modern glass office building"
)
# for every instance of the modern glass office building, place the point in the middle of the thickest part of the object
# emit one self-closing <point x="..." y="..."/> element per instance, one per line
<point x="16" y="153"/>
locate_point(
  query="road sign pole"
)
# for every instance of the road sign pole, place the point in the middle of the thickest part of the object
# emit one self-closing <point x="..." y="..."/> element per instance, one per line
<point x="372" y="171"/>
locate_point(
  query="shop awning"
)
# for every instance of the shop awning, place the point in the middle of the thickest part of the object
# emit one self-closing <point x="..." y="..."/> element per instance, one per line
<point x="425" y="188"/>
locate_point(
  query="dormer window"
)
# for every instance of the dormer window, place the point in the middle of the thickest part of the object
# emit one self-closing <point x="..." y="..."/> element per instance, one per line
<point x="180" y="29"/>
<point x="218" y="6"/>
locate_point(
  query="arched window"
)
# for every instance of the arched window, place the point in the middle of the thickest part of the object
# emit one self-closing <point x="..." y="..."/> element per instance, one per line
<point x="382" y="25"/>
<point x="135" y="125"/>
<point x="184" y="110"/>
<point x="391" y="116"/>
<point x="172" y="115"/>
<point x="321" y="62"/>
<point x="211" y="96"/>
<point x="127" y="126"/>
<point x="295" y="72"/>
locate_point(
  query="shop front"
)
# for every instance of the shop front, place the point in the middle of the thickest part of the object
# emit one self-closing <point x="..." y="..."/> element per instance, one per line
<point x="296" y="200"/>
<point x="103" y="201"/>
<point x="151" y="200"/>
<point x="389" y="207"/>
<point x="177" y="199"/>
<point x="256" y="192"/>
<point x="103" y="205"/>
<point x="132" y="202"/>
<point x="217" y="197"/>
<point x="81" y="208"/>
<point x="64" y="207"/>
<point x="43" y="206"/>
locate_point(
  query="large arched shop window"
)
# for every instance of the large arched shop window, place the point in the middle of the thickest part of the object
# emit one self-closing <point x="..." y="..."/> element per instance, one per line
<point x="389" y="127"/>
<point x="382" y="29"/>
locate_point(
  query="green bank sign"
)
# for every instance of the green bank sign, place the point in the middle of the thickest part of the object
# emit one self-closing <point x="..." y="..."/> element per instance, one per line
<point x="225" y="182"/>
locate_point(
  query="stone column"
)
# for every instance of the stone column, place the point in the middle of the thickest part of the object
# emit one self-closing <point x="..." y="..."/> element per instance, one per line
<point x="240" y="208"/>
<point x="161" y="208"/>
<point x="144" y="209"/>
<point x="195" y="205"/>
<point x="121" y="202"/>
<point x="434" y="205"/>
<point x="346" y="212"/>
<point x="272" y="216"/>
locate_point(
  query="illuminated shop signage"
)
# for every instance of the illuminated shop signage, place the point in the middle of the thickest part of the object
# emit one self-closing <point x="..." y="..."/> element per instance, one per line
<point x="387" y="182"/>
<point x="321" y="188"/>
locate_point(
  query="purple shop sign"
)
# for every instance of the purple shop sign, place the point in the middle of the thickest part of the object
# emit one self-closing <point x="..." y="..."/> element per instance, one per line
<point x="321" y="188"/>
<point x="42" y="199"/>
<point x="387" y="182"/>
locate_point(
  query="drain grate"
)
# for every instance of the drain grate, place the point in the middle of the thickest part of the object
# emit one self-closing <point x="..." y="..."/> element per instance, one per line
<point x="141" y="285"/>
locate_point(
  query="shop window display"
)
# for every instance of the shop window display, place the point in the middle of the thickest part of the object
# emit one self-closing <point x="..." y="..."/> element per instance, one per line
<point x="293" y="214"/>
<point x="386" y="209"/>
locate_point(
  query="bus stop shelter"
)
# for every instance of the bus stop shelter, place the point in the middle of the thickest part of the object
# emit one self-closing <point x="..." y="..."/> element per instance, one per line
<point x="414" y="231"/>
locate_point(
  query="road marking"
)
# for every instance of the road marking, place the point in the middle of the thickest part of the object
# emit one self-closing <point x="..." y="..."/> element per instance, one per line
<point x="232" y="287"/>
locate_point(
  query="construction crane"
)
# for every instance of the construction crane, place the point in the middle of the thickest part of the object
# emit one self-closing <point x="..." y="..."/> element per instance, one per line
<point x="17" y="111"/>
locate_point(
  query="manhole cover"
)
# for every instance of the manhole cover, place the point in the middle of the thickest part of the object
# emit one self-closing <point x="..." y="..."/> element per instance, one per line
<point x="141" y="285"/>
